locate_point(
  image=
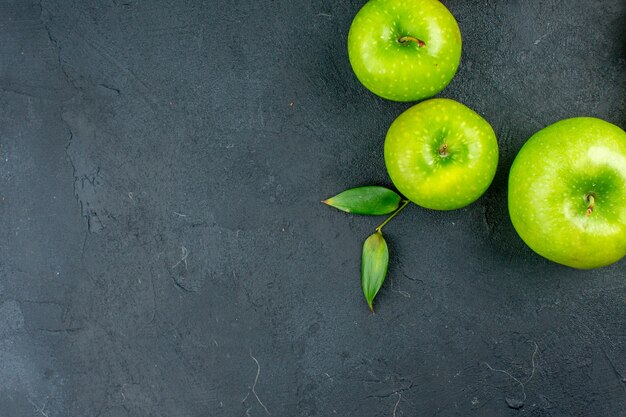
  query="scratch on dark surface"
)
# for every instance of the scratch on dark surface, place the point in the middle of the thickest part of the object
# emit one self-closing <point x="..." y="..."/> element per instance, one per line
<point x="607" y="339"/>
<point x="618" y="374"/>
<point x="55" y="44"/>
<point x="183" y="259"/>
<point x="394" y="392"/>
<point x="68" y="330"/>
<point x="40" y="410"/>
<point x="42" y="302"/>
<point x="108" y="87"/>
<point x="401" y="292"/>
<point x="532" y="360"/>
<point x="89" y="186"/>
<point x="253" y="388"/>
<point x="71" y="161"/>
<point x="100" y="50"/>
<point x="513" y="402"/>
<point x="179" y="281"/>
<point x="181" y="286"/>
<point x="94" y="224"/>
<point x="542" y="37"/>
<point x="82" y="250"/>
<point x="396" y="406"/>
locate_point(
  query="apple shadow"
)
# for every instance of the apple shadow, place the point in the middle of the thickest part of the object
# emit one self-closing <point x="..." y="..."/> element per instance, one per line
<point x="502" y="237"/>
<point x="622" y="40"/>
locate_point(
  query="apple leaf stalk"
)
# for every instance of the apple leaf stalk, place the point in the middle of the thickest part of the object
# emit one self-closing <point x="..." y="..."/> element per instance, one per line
<point x="373" y="201"/>
<point x="420" y="43"/>
<point x="589" y="198"/>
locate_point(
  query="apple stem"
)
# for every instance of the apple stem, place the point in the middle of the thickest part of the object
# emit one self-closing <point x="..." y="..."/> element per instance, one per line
<point x="592" y="203"/>
<point x="420" y="43"/>
<point x="443" y="150"/>
<point x="404" y="204"/>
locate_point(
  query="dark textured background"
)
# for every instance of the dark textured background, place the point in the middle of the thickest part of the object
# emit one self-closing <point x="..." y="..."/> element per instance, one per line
<point x="130" y="130"/>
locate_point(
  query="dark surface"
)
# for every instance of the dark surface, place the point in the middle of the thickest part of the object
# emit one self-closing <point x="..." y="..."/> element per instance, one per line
<point x="130" y="130"/>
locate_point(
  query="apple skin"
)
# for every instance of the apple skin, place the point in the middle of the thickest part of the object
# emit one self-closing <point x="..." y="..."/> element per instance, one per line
<point x="404" y="71"/>
<point x="551" y="177"/>
<point x="434" y="179"/>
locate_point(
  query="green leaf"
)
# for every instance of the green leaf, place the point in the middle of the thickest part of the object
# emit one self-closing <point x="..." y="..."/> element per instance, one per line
<point x="374" y="266"/>
<point x="369" y="200"/>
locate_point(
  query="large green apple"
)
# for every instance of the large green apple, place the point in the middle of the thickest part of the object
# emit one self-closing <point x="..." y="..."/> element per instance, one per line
<point x="441" y="155"/>
<point x="567" y="193"/>
<point x="404" y="50"/>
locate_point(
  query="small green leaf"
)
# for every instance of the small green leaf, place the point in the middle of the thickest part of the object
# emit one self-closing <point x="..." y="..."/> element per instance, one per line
<point x="374" y="266"/>
<point x="369" y="200"/>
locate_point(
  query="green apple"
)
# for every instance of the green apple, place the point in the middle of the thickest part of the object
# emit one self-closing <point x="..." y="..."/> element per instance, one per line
<point x="567" y="193"/>
<point x="404" y="50"/>
<point x="441" y="154"/>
